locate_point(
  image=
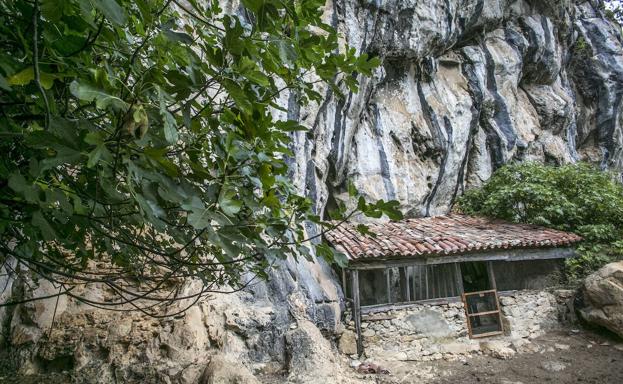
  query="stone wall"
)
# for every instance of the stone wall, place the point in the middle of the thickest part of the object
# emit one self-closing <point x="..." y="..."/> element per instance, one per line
<point x="423" y="332"/>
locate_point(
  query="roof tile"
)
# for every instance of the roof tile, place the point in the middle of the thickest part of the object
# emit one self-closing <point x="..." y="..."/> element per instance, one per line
<point x="450" y="234"/>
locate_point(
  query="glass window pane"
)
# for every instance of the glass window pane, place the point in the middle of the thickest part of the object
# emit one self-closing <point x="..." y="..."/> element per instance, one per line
<point x="373" y="286"/>
<point x="433" y="282"/>
<point x="485" y="324"/>
<point x="419" y="287"/>
<point x="397" y="284"/>
<point x="528" y="274"/>
<point x="442" y="281"/>
<point x="482" y="302"/>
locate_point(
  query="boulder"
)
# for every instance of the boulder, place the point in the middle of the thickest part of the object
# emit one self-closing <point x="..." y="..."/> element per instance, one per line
<point x="429" y="322"/>
<point x="226" y="369"/>
<point x="602" y="295"/>
<point x="348" y="343"/>
<point x="498" y="349"/>
<point x="311" y="358"/>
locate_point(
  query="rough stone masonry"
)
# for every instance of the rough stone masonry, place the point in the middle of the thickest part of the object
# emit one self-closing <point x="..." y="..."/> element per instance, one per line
<point x="424" y="332"/>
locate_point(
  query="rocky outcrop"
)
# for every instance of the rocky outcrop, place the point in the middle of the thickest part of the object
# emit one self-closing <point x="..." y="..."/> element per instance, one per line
<point x="602" y="296"/>
<point x="465" y="86"/>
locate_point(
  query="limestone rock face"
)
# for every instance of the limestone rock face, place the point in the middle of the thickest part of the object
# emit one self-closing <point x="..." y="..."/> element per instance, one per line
<point x="464" y="87"/>
<point x="603" y="298"/>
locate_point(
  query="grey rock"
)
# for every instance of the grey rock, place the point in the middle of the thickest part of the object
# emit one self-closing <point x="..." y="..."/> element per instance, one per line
<point x="602" y="295"/>
<point x="226" y="370"/>
<point x="348" y="343"/>
<point x="430" y="323"/>
<point x="553" y="366"/>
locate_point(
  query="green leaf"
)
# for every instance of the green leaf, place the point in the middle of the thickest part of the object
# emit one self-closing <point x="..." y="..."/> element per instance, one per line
<point x="41" y="223"/>
<point x="352" y="190"/>
<point x="4" y="84"/>
<point x="179" y="37"/>
<point x="169" y="124"/>
<point x="228" y="203"/>
<point x="102" y="99"/>
<point x="27" y="75"/>
<point x="53" y="9"/>
<point x="365" y="230"/>
<point x="112" y="11"/>
<point x="287" y="54"/>
<point x="95" y="155"/>
<point x="291" y="126"/>
<point x="253" y="5"/>
<point x="17" y="182"/>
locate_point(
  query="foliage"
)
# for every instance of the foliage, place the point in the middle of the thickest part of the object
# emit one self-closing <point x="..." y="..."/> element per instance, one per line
<point x="576" y="198"/>
<point x="141" y="136"/>
<point x="582" y="48"/>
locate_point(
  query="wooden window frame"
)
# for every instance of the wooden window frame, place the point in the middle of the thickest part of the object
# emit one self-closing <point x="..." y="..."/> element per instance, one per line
<point x="468" y="315"/>
<point x="452" y="277"/>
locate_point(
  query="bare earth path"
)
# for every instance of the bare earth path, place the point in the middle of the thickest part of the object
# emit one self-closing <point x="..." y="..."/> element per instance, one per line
<point x="563" y="357"/>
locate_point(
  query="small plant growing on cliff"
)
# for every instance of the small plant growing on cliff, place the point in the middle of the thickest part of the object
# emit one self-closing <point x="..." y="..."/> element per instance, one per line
<point x="141" y="136"/>
<point x="577" y="198"/>
<point x="582" y="48"/>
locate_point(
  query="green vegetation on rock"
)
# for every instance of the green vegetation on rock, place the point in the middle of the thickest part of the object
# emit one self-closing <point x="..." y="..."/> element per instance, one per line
<point x="577" y="198"/>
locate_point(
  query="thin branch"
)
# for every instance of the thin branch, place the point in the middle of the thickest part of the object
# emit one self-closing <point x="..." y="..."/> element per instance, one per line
<point x="35" y="55"/>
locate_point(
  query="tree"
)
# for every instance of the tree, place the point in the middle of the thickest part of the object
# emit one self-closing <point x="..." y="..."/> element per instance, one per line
<point x="140" y="144"/>
<point x="575" y="197"/>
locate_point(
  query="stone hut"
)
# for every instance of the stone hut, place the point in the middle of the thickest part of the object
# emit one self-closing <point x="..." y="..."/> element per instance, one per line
<point x="449" y="278"/>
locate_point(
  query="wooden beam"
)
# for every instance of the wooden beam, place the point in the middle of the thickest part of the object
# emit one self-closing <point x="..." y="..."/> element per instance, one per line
<point x="506" y="255"/>
<point x="388" y="307"/>
<point x="502" y="255"/>
<point x="357" y="310"/>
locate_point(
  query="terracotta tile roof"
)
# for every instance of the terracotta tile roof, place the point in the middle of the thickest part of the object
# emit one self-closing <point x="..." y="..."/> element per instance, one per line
<point x="443" y="235"/>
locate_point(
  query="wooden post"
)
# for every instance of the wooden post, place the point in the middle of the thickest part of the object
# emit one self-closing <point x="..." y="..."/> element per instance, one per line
<point x="389" y="294"/>
<point x="344" y="283"/>
<point x="491" y="275"/>
<point x="408" y="271"/>
<point x="459" y="278"/>
<point x="357" y="310"/>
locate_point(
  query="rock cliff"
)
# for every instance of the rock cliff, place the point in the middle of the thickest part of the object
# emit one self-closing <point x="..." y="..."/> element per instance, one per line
<point x="465" y="86"/>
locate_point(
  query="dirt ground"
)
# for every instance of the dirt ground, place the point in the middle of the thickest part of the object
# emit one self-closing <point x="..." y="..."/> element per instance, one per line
<point x="564" y="357"/>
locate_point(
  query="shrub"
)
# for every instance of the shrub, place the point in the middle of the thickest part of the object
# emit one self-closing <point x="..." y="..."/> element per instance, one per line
<point x="578" y="198"/>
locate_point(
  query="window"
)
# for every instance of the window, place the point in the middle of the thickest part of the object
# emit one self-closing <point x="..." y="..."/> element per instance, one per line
<point x="528" y="274"/>
<point x="483" y="313"/>
<point x="407" y="284"/>
<point x="373" y="286"/>
<point x="420" y="282"/>
<point x="433" y="281"/>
